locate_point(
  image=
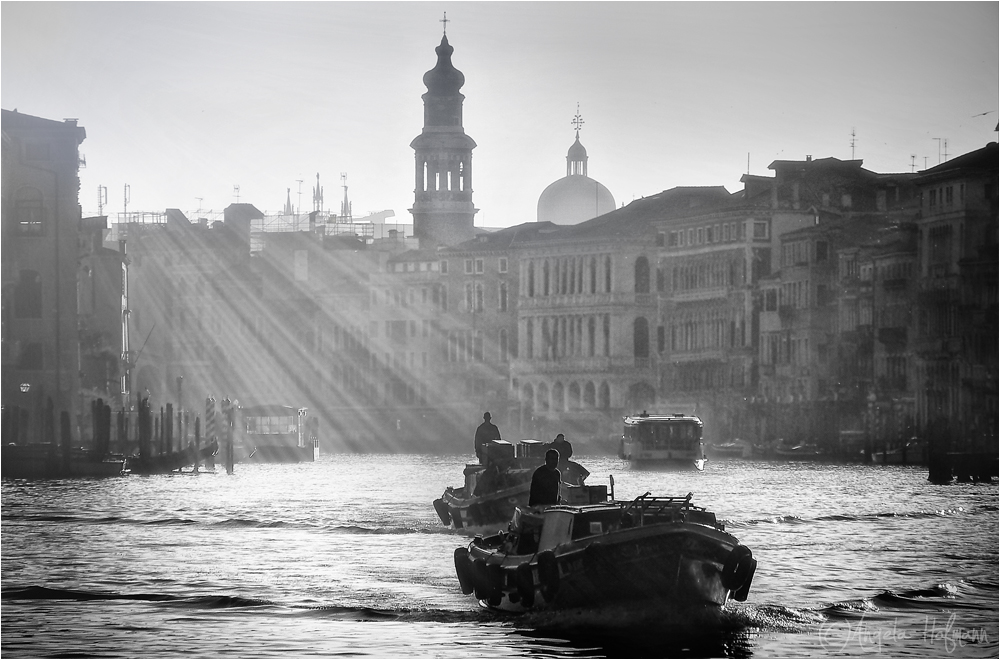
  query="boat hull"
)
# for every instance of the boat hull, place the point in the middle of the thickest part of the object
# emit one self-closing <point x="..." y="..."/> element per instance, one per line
<point x="282" y="454"/>
<point x="664" y="463"/>
<point x="459" y="510"/>
<point x="676" y="566"/>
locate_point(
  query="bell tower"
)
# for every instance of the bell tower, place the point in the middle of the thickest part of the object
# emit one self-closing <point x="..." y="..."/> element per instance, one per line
<point x="442" y="208"/>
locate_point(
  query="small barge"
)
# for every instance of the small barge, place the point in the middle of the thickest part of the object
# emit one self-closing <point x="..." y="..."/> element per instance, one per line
<point x="653" y="552"/>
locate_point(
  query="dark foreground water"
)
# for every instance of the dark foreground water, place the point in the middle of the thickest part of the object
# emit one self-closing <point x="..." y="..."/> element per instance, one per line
<point x="347" y="557"/>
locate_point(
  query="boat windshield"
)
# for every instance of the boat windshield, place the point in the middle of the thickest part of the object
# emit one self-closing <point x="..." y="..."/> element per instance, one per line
<point x="669" y="434"/>
<point x="271" y="425"/>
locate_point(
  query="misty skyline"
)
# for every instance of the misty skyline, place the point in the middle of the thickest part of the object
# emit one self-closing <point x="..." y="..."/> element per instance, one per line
<point x="183" y="101"/>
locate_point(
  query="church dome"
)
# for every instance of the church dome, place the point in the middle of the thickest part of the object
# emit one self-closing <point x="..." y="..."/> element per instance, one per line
<point x="573" y="199"/>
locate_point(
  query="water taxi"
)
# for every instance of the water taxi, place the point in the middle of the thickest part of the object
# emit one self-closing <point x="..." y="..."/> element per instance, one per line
<point x="671" y="441"/>
<point x="276" y="434"/>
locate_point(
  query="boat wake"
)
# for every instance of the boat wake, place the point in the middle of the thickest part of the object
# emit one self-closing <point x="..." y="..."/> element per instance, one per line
<point x="210" y="602"/>
<point x="860" y="517"/>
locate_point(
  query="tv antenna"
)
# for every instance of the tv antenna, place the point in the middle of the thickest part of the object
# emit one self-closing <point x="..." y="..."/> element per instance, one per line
<point x="298" y="208"/>
<point x="128" y="198"/>
<point x="236" y="192"/>
<point x="939" y="149"/>
<point x="199" y="204"/>
<point x="913" y="163"/>
<point x="853" y="142"/>
<point x="102" y="199"/>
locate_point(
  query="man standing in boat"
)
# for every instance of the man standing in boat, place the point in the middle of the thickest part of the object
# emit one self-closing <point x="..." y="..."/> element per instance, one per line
<point x="486" y="433"/>
<point x="545" y="481"/>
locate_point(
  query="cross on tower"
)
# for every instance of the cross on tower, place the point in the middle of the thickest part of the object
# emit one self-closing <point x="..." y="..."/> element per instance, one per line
<point x="445" y="21"/>
<point x="577" y="119"/>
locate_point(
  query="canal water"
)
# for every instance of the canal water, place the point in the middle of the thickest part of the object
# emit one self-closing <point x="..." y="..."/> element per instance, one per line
<point x="346" y="556"/>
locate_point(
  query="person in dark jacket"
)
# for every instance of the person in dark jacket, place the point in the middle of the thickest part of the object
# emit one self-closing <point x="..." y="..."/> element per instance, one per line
<point x="545" y="481"/>
<point x="562" y="445"/>
<point x="486" y="433"/>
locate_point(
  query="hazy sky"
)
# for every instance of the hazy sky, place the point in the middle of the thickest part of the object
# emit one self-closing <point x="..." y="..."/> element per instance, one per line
<point x="185" y="100"/>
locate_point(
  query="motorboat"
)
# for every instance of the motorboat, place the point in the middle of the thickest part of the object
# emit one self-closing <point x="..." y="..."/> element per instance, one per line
<point x="910" y="453"/>
<point x="663" y="441"/>
<point x="494" y="489"/>
<point x="735" y="449"/>
<point x="651" y="552"/>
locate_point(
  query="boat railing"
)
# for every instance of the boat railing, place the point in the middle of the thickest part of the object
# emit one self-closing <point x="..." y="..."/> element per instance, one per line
<point x="661" y="507"/>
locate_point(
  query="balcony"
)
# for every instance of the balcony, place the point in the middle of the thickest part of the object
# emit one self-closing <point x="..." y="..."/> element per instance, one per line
<point x="576" y="300"/>
<point x="697" y="295"/>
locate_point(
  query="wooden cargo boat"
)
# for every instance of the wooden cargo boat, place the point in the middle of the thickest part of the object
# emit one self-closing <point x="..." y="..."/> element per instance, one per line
<point x="493" y="490"/>
<point x="653" y="552"/>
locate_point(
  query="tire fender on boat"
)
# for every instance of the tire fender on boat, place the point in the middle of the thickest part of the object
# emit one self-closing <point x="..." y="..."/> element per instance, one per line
<point x="442" y="510"/>
<point x="480" y="578"/>
<point x="738" y="568"/>
<point x="744" y="591"/>
<point x="496" y="577"/>
<point x="525" y="582"/>
<point x="548" y="574"/>
<point x="463" y="568"/>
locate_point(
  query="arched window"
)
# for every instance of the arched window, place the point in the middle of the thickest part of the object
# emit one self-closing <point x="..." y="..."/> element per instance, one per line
<point x="28" y="295"/>
<point x="593" y="274"/>
<point x="607" y="274"/>
<point x="574" y="396"/>
<point x="543" y="397"/>
<point x="642" y="275"/>
<point x="558" y="398"/>
<point x="589" y="396"/>
<point x="545" y="278"/>
<point x="531" y="279"/>
<point x="604" y="396"/>
<point x="529" y="338"/>
<point x="502" y="340"/>
<point x="640" y="337"/>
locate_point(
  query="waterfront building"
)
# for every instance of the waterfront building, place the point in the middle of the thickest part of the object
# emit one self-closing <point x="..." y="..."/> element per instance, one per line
<point x="955" y="327"/>
<point x="41" y="232"/>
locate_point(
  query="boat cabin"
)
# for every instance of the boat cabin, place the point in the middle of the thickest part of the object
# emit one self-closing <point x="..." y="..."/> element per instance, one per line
<point x="539" y="529"/>
<point x="662" y="437"/>
<point x="277" y="424"/>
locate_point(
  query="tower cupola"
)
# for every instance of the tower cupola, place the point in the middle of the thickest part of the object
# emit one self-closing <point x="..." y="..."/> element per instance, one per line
<point x="442" y="209"/>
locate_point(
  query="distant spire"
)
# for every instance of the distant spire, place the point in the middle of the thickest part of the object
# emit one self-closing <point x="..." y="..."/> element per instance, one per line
<point x="288" y="202"/>
<point x="317" y="195"/>
<point x="345" y="206"/>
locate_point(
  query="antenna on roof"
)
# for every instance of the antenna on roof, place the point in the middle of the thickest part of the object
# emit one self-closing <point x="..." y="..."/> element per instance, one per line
<point x="236" y="192"/>
<point x="853" y="142"/>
